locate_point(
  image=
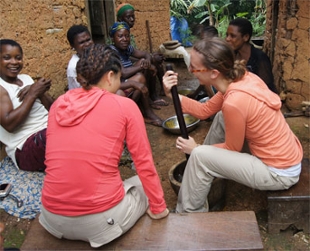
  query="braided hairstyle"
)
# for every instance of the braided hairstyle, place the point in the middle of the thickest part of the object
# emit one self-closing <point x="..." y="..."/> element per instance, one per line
<point x="219" y="55"/>
<point x="94" y="62"/>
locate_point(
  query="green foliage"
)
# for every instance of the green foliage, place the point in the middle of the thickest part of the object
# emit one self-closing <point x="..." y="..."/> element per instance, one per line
<point x="220" y="12"/>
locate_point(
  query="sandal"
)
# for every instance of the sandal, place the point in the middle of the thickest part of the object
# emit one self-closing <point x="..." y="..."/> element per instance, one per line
<point x="160" y="102"/>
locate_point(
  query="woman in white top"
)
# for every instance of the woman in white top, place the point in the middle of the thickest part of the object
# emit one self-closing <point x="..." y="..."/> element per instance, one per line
<point x="24" y="109"/>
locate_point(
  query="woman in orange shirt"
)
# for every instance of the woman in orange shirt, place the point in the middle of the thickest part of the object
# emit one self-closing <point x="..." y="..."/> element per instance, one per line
<point x="245" y="110"/>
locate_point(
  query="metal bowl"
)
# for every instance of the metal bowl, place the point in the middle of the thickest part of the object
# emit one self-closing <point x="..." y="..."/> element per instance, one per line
<point x="172" y="125"/>
<point x="185" y="91"/>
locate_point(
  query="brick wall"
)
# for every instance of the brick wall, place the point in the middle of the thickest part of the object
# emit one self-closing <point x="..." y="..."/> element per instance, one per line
<point x="288" y="24"/>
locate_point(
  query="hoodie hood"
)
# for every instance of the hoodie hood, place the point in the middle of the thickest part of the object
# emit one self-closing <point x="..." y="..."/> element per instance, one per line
<point x="74" y="105"/>
<point x="254" y="86"/>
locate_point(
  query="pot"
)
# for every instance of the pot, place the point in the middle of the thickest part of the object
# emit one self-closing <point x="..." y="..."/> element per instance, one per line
<point x="216" y="197"/>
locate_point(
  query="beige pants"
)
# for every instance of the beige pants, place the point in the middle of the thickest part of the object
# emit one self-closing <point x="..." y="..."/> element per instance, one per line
<point x="101" y="228"/>
<point x="207" y="162"/>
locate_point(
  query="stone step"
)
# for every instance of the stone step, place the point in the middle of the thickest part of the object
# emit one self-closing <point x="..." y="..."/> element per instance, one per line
<point x="190" y="231"/>
<point x="290" y="208"/>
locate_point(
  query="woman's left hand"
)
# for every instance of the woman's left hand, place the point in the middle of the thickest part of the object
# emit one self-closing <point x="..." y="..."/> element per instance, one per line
<point x="186" y="145"/>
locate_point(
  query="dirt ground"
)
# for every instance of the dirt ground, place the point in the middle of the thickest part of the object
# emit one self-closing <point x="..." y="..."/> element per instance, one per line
<point x="238" y="197"/>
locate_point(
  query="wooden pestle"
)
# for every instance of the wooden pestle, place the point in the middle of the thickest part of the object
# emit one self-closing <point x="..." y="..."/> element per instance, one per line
<point x="178" y="108"/>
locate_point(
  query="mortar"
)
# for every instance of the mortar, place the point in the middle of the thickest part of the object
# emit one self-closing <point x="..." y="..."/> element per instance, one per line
<point x="216" y="197"/>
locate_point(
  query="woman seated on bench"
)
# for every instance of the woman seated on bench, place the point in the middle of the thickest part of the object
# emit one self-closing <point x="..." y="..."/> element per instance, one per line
<point x="83" y="196"/>
<point x="246" y="110"/>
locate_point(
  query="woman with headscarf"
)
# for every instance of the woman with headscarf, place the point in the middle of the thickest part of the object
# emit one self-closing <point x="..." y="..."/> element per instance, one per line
<point x="134" y="76"/>
<point x="126" y="13"/>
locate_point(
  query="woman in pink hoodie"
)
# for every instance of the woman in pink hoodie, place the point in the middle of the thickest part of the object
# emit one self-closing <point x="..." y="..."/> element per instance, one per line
<point x="84" y="197"/>
<point x="246" y="110"/>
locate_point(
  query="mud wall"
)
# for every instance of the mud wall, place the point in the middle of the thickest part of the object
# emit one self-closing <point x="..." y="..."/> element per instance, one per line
<point x="157" y="12"/>
<point x="287" y="42"/>
<point x="40" y="26"/>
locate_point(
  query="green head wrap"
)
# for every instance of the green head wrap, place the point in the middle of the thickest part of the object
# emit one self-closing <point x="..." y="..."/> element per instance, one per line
<point x="122" y="8"/>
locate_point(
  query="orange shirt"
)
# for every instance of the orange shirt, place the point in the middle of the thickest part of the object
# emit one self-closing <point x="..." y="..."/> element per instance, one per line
<point x="252" y="112"/>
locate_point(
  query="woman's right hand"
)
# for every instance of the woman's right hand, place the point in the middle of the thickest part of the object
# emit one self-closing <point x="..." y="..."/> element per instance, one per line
<point x="170" y="79"/>
<point x="157" y="216"/>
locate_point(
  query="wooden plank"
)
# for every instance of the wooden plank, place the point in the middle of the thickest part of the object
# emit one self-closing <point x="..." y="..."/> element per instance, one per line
<point x="195" y="231"/>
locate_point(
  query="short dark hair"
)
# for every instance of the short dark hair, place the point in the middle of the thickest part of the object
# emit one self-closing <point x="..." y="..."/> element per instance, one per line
<point x="201" y="31"/>
<point x="244" y="26"/>
<point x="75" y="30"/>
<point x="10" y="42"/>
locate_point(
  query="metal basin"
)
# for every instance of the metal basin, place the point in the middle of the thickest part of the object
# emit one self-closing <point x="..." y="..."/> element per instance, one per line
<point x="172" y="125"/>
<point x="185" y="91"/>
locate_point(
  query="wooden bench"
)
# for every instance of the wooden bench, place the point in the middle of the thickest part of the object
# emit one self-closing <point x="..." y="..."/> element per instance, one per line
<point x="290" y="208"/>
<point x="194" y="231"/>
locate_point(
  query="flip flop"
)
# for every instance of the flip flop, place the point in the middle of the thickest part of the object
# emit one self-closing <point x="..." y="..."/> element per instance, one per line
<point x="156" y="122"/>
<point x="160" y="102"/>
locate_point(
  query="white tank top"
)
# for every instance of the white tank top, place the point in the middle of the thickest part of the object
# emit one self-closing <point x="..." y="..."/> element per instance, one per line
<point x="36" y="120"/>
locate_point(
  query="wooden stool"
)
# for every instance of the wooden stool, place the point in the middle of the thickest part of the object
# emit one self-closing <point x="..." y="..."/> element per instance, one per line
<point x="291" y="207"/>
<point x="192" y="231"/>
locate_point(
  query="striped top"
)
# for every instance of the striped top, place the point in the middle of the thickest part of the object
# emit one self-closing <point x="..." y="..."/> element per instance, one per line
<point x="125" y="55"/>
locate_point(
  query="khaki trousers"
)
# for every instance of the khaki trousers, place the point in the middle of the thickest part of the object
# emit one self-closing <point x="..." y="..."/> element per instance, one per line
<point x="101" y="228"/>
<point x="207" y="162"/>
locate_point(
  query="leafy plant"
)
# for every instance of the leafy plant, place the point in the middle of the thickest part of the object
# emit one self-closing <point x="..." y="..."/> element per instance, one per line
<point x="220" y="12"/>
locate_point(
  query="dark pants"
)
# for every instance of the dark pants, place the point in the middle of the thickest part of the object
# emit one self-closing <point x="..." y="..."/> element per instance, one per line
<point x="32" y="155"/>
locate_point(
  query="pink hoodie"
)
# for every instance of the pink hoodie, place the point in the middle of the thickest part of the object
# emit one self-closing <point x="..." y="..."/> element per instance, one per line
<point x="85" y="139"/>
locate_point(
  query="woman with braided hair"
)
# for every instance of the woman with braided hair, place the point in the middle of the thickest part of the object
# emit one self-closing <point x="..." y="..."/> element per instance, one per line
<point x="84" y="197"/>
<point x="246" y="110"/>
